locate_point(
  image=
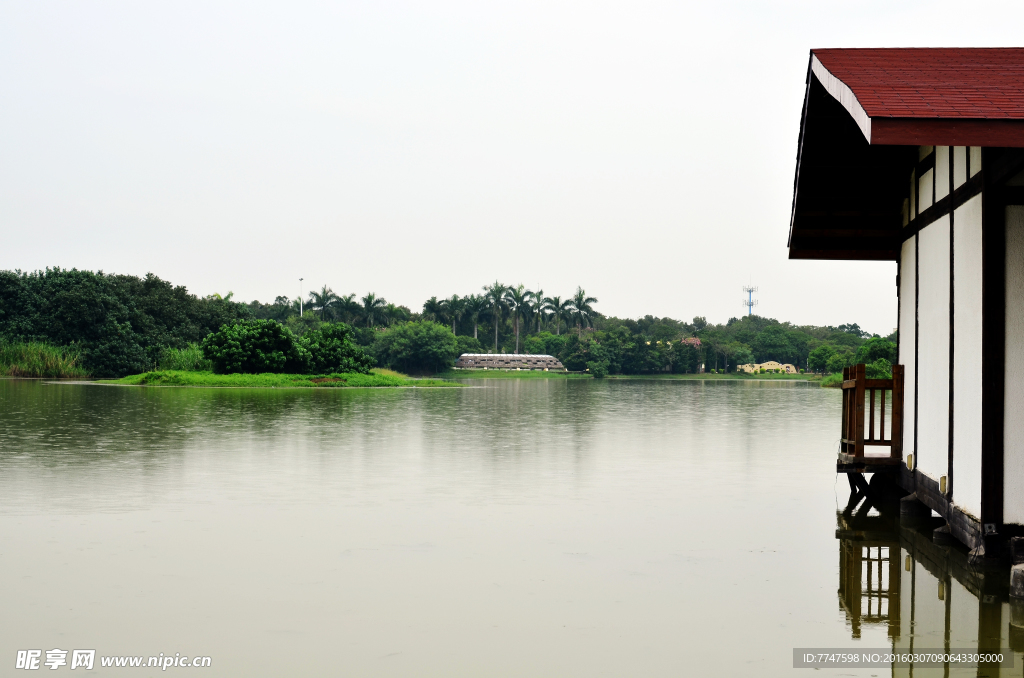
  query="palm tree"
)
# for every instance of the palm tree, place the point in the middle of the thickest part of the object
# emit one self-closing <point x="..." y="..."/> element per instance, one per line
<point x="455" y="307"/>
<point x="347" y="307"/>
<point x="475" y="305"/>
<point x="374" y="309"/>
<point x="559" y="311"/>
<point x="495" y="296"/>
<point x="537" y="306"/>
<point x="433" y="309"/>
<point x="582" y="310"/>
<point x="516" y="299"/>
<point x="323" y="301"/>
<point x="393" y="314"/>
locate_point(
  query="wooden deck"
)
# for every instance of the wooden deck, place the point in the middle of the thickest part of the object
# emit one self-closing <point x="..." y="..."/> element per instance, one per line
<point x="864" y="422"/>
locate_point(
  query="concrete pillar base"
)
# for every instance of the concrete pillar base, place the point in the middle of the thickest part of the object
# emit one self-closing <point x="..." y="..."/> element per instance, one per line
<point x="911" y="507"/>
<point x="1017" y="581"/>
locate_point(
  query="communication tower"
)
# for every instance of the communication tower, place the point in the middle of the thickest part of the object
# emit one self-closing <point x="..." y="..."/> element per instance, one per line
<point x="750" y="302"/>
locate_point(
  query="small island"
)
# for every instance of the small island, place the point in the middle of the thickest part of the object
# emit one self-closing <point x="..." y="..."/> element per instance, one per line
<point x="266" y="354"/>
<point x="377" y="378"/>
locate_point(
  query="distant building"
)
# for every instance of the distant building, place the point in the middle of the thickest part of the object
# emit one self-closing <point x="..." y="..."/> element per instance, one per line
<point x="770" y="366"/>
<point x="508" y="361"/>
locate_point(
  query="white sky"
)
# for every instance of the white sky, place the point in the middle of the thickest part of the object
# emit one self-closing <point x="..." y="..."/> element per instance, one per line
<point x="642" y="150"/>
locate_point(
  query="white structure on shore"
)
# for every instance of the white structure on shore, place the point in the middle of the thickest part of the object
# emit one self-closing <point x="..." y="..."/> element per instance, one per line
<point x="770" y="366"/>
<point x="507" y="361"/>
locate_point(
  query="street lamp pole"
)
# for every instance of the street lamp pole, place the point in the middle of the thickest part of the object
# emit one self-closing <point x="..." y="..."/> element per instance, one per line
<point x="300" y="297"/>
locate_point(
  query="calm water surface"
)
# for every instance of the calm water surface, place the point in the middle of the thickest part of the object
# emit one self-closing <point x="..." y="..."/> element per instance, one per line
<point x="520" y="528"/>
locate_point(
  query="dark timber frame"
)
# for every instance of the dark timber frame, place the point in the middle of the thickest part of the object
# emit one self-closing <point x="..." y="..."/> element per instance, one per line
<point x="998" y="165"/>
<point x="850" y="202"/>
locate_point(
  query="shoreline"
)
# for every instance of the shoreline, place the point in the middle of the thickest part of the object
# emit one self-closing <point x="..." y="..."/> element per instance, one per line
<point x="269" y="380"/>
<point x="538" y="374"/>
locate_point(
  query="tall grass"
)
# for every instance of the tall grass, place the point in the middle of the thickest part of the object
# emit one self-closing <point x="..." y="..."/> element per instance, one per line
<point x="188" y="359"/>
<point x="834" y="380"/>
<point x="35" y="359"/>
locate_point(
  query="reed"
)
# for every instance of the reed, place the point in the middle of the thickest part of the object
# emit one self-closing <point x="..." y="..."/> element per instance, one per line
<point x="36" y="359"/>
<point x="834" y="380"/>
<point x="188" y="359"/>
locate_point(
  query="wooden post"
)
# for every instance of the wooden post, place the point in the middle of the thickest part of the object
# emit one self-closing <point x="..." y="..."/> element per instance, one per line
<point x="845" y="429"/>
<point x="881" y="427"/>
<point x="858" y="422"/>
<point x="871" y="417"/>
<point x="896" y="451"/>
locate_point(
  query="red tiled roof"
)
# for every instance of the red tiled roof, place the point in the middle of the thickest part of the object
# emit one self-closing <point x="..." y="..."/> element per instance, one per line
<point x="976" y="83"/>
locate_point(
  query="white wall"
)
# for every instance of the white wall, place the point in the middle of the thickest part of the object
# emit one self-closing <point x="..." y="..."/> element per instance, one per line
<point x="941" y="172"/>
<point x="907" y="339"/>
<point x="1013" y="425"/>
<point x="959" y="166"/>
<point x="967" y="356"/>
<point x="933" y="349"/>
<point x="924" y="191"/>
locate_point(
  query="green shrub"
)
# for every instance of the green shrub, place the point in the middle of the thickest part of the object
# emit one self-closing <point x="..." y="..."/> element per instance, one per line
<point x="421" y="346"/>
<point x="331" y="349"/>
<point x="468" y="345"/>
<point x="578" y="352"/>
<point x="188" y="359"/>
<point x="832" y="381"/>
<point x="255" y="347"/>
<point x="119" y="323"/>
<point x="874" y="349"/>
<point x="879" y="369"/>
<point x="837" y="362"/>
<point x="598" y="368"/>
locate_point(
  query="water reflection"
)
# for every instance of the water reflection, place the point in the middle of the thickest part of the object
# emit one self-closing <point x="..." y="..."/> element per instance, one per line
<point x="927" y="595"/>
<point x="519" y="528"/>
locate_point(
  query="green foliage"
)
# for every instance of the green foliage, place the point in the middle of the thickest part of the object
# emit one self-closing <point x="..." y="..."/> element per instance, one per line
<point x="579" y="351"/>
<point x="273" y="380"/>
<point x="836" y="363"/>
<point x="879" y="369"/>
<point x="423" y="346"/>
<point x="187" y="359"/>
<point x="255" y="347"/>
<point x="534" y="345"/>
<point x="467" y="345"/>
<point x="832" y="381"/>
<point x="36" y="359"/>
<point x="818" y="359"/>
<point x="300" y="324"/>
<point x="742" y="356"/>
<point x="551" y="344"/>
<point x="331" y="349"/>
<point x="598" y="368"/>
<point x="874" y="349"/>
<point x="120" y="324"/>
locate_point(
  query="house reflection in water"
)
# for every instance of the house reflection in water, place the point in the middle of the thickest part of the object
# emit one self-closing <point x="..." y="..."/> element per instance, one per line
<point x="929" y="596"/>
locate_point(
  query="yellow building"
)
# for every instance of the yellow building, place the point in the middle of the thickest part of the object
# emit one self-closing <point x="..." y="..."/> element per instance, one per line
<point x="770" y="366"/>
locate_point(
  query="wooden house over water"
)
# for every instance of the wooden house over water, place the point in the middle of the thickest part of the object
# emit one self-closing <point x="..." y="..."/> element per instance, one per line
<point x="917" y="156"/>
<point x="508" y="361"/>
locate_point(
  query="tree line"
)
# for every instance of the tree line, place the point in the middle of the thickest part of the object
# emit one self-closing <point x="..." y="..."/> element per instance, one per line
<point x="515" y="319"/>
<point x="124" y="324"/>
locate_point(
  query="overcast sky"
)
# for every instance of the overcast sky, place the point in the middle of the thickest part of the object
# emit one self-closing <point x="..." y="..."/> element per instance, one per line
<point x="642" y="150"/>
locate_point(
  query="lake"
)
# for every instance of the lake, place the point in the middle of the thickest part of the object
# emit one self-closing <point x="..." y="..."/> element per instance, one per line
<point x="516" y="528"/>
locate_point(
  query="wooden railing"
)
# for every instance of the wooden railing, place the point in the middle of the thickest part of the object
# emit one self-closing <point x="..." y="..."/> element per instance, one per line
<point x="859" y="416"/>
